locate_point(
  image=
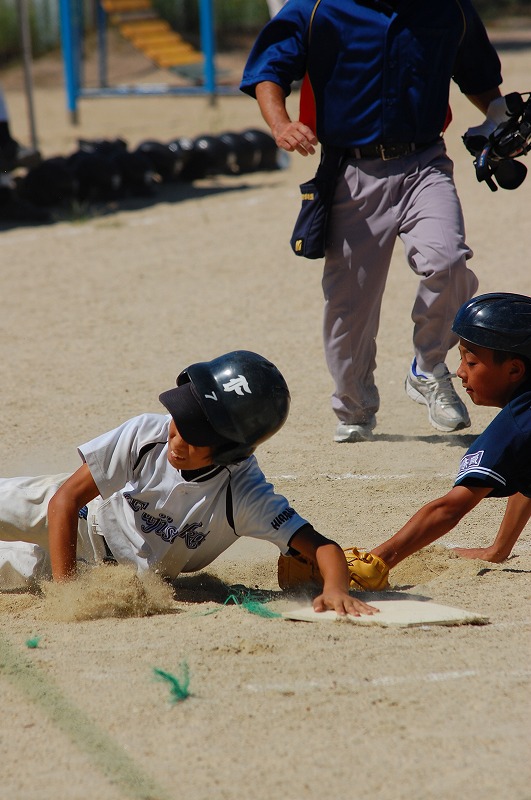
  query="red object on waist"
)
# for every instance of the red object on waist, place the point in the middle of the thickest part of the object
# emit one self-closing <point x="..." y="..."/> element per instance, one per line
<point x="307" y="113"/>
<point x="448" y="118"/>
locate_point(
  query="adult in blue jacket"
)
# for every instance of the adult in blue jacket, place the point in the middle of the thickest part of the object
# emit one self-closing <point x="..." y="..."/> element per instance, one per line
<point x="380" y="74"/>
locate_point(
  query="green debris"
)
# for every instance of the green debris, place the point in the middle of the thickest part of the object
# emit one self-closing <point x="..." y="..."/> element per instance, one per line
<point x="178" y="686"/>
<point x="256" y="607"/>
<point x="33" y="642"/>
<point x="252" y="601"/>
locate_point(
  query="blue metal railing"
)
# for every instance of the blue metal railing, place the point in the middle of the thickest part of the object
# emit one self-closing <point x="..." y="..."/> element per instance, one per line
<point x="71" y="19"/>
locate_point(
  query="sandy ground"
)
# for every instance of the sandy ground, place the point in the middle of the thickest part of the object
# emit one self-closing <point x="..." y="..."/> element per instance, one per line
<point x="97" y="317"/>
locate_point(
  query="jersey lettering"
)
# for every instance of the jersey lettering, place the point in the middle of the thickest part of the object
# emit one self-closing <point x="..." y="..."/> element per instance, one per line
<point x="155" y="524"/>
<point x="288" y="513"/>
<point x="163" y="527"/>
<point x="192" y="536"/>
<point x="136" y="505"/>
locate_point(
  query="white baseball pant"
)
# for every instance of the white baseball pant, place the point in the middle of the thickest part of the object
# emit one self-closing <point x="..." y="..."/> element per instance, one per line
<point x="24" y="551"/>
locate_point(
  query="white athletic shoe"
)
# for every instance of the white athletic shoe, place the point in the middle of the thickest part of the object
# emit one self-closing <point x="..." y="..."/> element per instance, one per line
<point x="446" y="410"/>
<point x="361" y="432"/>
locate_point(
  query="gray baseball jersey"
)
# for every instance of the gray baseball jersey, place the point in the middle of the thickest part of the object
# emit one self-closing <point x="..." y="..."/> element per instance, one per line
<point x="151" y="517"/>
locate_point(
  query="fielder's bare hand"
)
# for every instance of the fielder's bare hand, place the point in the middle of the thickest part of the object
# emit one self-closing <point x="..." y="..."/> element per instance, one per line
<point x="481" y="553"/>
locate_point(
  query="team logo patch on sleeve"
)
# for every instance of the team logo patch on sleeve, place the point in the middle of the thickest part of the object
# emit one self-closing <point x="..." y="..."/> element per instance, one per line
<point x="470" y="461"/>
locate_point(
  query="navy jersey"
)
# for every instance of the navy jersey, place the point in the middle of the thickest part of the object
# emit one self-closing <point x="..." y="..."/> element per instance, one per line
<point x="378" y="74"/>
<point x="501" y="456"/>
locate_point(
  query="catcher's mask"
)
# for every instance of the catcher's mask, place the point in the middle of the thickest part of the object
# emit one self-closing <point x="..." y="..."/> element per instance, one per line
<point x="499" y="321"/>
<point x="243" y="398"/>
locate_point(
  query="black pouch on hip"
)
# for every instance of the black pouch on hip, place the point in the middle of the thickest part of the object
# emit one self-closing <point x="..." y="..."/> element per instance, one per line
<point x="309" y="233"/>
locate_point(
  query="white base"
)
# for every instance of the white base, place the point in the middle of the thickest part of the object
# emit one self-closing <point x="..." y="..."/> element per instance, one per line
<point x="405" y="613"/>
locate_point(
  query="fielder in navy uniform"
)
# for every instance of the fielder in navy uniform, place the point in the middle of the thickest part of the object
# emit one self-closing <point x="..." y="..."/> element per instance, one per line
<point x="380" y="73"/>
<point x="495" y="369"/>
<point x="172" y="492"/>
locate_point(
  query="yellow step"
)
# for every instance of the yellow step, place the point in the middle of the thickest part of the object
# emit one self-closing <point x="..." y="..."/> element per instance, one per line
<point x="138" y="22"/>
<point x="146" y="28"/>
<point x="160" y="52"/>
<point x="125" y="6"/>
<point x="167" y="61"/>
<point x="155" y="40"/>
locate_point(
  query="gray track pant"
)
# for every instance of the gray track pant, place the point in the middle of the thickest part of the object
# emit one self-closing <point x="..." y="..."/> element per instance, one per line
<point x="376" y="201"/>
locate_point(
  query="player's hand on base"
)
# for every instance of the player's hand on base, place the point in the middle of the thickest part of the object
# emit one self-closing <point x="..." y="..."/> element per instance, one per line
<point x="342" y="603"/>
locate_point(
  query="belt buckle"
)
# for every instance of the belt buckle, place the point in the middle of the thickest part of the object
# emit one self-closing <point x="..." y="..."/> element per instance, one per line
<point x="389" y="152"/>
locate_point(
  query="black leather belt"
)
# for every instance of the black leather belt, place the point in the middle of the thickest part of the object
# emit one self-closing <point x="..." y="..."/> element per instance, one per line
<point x="388" y="151"/>
<point x="108" y="558"/>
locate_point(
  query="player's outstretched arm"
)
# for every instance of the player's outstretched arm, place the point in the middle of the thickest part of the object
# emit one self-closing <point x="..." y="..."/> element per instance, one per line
<point x="430" y="523"/>
<point x="63" y="510"/>
<point x="288" y="134"/>
<point x="516" y="517"/>
<point x="332" y="564"/>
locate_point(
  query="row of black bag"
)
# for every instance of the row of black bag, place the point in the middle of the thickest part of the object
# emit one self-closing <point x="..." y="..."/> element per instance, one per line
<point x="104" y="170"/>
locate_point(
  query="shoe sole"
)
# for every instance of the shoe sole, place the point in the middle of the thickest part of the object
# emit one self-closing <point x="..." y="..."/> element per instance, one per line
<point x="418" y="397"/>
<point x="353" y="437"/>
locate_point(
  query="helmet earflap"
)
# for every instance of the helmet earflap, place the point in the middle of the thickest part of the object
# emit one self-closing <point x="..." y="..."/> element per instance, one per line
<point x="231" y="454"/>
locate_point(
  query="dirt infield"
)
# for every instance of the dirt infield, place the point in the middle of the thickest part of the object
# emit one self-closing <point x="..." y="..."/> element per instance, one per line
<point x="98" y="316"/>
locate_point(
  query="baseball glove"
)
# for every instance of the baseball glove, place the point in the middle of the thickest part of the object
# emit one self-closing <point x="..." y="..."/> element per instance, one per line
<point x="296" y="571"/>
<point x="366" y="571"/>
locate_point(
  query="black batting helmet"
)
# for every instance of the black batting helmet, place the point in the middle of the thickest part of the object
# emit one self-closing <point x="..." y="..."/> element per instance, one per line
<point x="243" y="396"/>
<point x="500" y="321"/>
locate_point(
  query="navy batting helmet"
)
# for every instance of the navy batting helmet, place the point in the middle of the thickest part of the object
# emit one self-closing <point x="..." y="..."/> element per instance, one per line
<point x="243" y="396"/>
<point x="500" y="321"/>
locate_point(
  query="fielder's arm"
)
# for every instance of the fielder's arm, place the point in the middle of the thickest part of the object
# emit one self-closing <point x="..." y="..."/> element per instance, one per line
<point x="430" y="523"/>
<point x="332" y="564"/>
<point x="63" y="510"/>
<point x="288" y="134"/>
<point x="516" y="517"/>
<point x="483" y="100"/>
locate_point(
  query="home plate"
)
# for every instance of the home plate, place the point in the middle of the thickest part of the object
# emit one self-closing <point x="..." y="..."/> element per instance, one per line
<point x="405" y="613"/>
